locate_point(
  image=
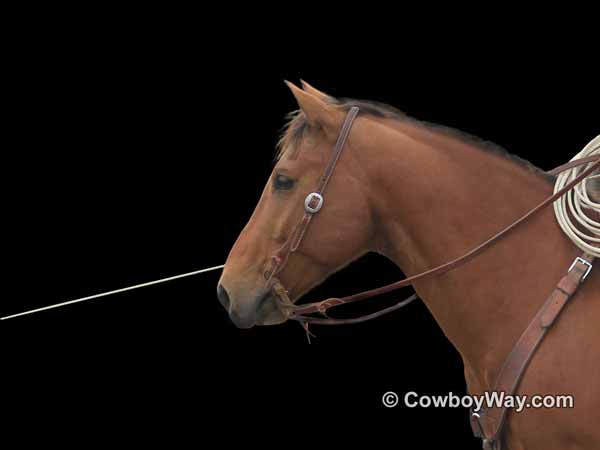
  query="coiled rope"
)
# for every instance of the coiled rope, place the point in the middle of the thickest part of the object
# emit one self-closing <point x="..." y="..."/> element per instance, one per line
<point x="578" y="206"/>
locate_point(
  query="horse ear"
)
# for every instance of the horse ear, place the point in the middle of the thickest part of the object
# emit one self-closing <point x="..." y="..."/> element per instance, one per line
<point x="317" y="111"/>
<point x="314" y="91"/>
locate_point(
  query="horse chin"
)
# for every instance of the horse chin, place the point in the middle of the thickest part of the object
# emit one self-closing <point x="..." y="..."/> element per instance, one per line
<point x="270" y="314"/>
<point x="275" y="319"/>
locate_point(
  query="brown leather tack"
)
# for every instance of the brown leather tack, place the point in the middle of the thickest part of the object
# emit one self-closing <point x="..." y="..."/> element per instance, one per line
<point x="492" y="420"/>
<point x="292" y="244"/>
<point x="568" y="285"/>
<point x="559" y="298"/>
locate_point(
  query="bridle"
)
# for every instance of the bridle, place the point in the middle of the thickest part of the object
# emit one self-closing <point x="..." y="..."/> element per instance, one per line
<point x="315" y="201"/>
<point x="312" y="203"/>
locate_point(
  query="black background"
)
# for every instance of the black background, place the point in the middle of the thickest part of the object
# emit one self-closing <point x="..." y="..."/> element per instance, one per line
<point x="141" y="151"/>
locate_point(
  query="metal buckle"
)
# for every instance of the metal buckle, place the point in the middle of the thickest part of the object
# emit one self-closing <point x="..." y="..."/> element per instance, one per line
<point x="308" y="200"/>
<point x="475" y="421"/>
<point x="488" y="444"/>
<point x="585" y="263"/>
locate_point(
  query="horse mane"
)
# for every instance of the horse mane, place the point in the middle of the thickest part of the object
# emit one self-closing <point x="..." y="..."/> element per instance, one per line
<point x="297" y="126"/>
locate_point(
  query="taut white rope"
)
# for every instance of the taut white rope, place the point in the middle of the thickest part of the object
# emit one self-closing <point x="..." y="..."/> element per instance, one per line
<point x="577" y="205"/>
<point x="116" y="291"/>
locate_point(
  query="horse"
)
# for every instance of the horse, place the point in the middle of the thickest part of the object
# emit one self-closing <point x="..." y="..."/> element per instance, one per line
<point x="420" y="195"/>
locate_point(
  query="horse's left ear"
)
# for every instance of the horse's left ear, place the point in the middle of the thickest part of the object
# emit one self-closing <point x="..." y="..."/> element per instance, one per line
<point x="317" y="110"/>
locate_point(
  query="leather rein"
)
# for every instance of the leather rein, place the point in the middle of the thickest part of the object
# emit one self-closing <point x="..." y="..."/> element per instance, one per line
<point x="313" y="204"/>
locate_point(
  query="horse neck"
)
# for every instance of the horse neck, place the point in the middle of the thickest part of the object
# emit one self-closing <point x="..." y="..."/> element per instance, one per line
<point x="436" y="197"/>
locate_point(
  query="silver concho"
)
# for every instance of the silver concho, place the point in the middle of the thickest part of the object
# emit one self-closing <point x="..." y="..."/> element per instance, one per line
<point x="309" y="199"/>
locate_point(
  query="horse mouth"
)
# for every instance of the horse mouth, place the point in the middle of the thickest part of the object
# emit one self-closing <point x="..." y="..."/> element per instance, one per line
<point x="269" y="311"/>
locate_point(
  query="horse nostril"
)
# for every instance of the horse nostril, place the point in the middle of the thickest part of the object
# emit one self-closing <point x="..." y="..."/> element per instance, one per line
<point x="223" y="296"/>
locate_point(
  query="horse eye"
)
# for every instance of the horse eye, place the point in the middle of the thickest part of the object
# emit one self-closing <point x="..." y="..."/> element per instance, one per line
<point x="283" y="183"/>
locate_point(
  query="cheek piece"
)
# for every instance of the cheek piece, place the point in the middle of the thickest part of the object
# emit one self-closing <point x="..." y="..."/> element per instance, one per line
<point x="312" y="205"/>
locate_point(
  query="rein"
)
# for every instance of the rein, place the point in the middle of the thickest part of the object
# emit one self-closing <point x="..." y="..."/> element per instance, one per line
<point x="313" y="204"/>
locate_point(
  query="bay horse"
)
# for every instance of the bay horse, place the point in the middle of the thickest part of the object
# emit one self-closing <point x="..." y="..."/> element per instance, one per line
<point x="421" y="195"/>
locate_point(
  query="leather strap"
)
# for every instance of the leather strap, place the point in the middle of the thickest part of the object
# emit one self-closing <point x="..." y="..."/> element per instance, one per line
<point x="571" y="164"/>
<point x="490" y="421"/>
<point x="280" y="258"/>
<point x="337" y="150"/>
